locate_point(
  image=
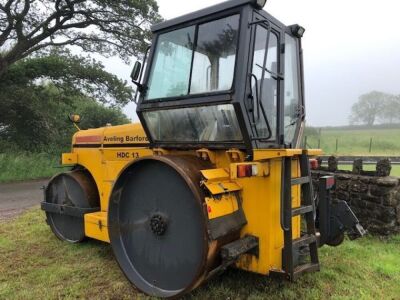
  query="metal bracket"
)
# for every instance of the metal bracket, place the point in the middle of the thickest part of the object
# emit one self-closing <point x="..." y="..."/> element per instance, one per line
<point x="235" y="155"/>
<point x="335" y="217"/>
<point x="66" y="209"/>
<point x="206" y="154"/>
<point x="160" y="151"/>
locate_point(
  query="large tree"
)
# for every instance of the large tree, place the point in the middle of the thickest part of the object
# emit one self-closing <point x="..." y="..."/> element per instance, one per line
<point x="391" y="110"/>
<point x="368" y="108"/>
<point x="108" y="27"/>
<point x="37" y="94"/>
<point x="70" y="73"/>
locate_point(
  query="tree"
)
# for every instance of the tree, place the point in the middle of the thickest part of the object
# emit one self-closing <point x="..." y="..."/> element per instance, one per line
<point x="37" y="94"/>
<point x="391" y="110"/>
<point x="42" y="125"/>
<point x="102" y="26"/>
<point x="71" y="74"/>
<point x="368" y="108"/>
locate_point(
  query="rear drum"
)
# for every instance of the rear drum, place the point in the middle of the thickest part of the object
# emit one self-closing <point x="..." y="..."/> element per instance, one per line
<point x="158" y="226"/>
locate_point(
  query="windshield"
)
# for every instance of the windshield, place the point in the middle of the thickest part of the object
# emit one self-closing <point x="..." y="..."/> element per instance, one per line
<point x="189" y="63"/>
<point x="194" y="124"/>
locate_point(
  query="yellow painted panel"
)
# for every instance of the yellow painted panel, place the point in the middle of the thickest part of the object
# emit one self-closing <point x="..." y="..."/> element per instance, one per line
<point x="125" y="154"/>
<point x="96" y="226"/>
<point x="69" y="158"/>
<point x="313" y="152"/>
<point x="261" y="205"/>
<point x="263" y="154"/>
<point x="92" y="160"/>
<point x="130" y="134"/>
<point x="215" y="174"/>
<point x="224" y="205"/>
<point x="222" y="187"/>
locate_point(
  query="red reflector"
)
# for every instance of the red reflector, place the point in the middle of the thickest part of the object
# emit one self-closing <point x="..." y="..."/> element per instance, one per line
<point x="208" y="208"/>
<point x="244" y="171"/>
<point x="314" y="164"/>
<point x="330" y="181"/>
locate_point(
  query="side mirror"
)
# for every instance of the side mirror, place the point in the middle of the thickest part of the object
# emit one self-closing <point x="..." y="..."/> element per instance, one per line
<point x="136" y="71"/>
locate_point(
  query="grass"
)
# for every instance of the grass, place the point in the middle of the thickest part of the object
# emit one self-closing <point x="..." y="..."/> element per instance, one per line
<point x="351" y="141"/>
<point x="36" y="265"/>
<point x="394" y="172"/>
<point x="23" y="166"/>
<point x="385" y="141"/>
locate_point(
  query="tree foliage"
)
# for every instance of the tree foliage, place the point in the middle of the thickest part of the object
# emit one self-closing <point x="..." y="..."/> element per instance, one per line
<point x="101" y="26"/>
<point x="376" y="107"/>
<point x="36" y="97"/>
<point x="71" y="74"/>
<point x="41" y="124"/>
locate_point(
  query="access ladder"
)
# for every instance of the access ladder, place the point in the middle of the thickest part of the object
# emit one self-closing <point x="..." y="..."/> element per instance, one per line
<point x="292" y="268"/>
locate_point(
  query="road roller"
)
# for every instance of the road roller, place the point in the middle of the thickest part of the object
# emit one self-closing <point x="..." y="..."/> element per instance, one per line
<point x="214" y="175"/>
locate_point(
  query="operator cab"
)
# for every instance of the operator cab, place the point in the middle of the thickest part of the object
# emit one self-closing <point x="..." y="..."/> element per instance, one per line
<point x="228" y="76"/>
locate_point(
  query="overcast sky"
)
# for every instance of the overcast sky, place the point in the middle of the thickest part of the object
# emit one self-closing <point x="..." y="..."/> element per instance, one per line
<point x="350" y="47"/>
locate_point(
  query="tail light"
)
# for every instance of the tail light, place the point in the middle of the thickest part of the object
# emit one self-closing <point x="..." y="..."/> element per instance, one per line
<point x="314" y="164"/>
<point x="247" y="170"/>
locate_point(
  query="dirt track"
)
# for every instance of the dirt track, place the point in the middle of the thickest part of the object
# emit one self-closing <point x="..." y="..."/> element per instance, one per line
<point x="16" y="197"/>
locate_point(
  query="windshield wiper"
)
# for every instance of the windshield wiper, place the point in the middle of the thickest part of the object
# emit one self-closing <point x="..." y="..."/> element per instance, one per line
<point x="274" y="75"/>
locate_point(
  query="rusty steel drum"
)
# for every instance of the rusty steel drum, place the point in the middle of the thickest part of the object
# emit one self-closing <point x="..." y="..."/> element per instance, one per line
<point x="158" y="226"/>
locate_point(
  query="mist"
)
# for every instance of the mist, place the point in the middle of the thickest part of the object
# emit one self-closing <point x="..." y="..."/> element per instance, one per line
<point x="350" y="48"/>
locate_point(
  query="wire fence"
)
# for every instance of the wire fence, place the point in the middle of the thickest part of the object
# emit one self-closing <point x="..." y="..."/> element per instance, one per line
<point x="336" y="147"/>
<point x="355" y="144"/>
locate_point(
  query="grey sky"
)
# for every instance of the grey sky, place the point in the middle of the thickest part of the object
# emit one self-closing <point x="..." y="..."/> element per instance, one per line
<point x="350" y="47"/>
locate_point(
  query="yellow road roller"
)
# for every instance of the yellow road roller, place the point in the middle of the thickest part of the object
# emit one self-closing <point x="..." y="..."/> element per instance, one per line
<point x="214" y="175"/>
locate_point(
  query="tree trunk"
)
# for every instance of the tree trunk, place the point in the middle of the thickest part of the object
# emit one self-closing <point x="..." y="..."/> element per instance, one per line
<point x="3" y="66"/>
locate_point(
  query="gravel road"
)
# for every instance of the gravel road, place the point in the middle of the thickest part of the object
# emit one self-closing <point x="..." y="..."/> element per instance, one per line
<point x="17" y="197"/>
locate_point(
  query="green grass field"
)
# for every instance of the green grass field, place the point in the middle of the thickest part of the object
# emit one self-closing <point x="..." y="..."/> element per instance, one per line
<point x="386" y="141"/>
<point x="22" y="166"/>
<point x="36" y="265"/>
<point x="395" y="169"/>
<point x="356" y="141"/>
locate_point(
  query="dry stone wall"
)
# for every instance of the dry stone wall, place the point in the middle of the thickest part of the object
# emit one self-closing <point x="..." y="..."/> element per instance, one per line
<point x="375" y="199"/>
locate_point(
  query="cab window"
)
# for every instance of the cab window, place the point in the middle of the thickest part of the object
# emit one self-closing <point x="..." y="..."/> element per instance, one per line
<point x="265" y="115"/>
<point x="189" y="63"/>
<point x="292" y="106"/>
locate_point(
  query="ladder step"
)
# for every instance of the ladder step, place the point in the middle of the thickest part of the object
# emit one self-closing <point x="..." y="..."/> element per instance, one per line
<point x="300" y="180"/>
<point x="293" y="251"/>
<point x="305" y="240"/>
<point x="306" y="268"/>
<point x="301" y="210"/>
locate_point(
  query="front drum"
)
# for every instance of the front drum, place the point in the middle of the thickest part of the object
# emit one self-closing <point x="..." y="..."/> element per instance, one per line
<point x="158" y="226"/>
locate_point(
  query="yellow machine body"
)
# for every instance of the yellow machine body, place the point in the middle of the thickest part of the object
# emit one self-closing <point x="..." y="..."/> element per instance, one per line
<point x="106" y="152"/>
<point x="213" y="175"/>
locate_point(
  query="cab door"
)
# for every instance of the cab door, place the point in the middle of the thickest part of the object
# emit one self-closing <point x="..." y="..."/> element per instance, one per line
<point x="293" y="102"/>
<point x="265" y="83"/>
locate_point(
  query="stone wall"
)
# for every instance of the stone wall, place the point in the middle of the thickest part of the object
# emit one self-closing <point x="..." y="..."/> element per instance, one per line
<point x="375" y="199"/>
